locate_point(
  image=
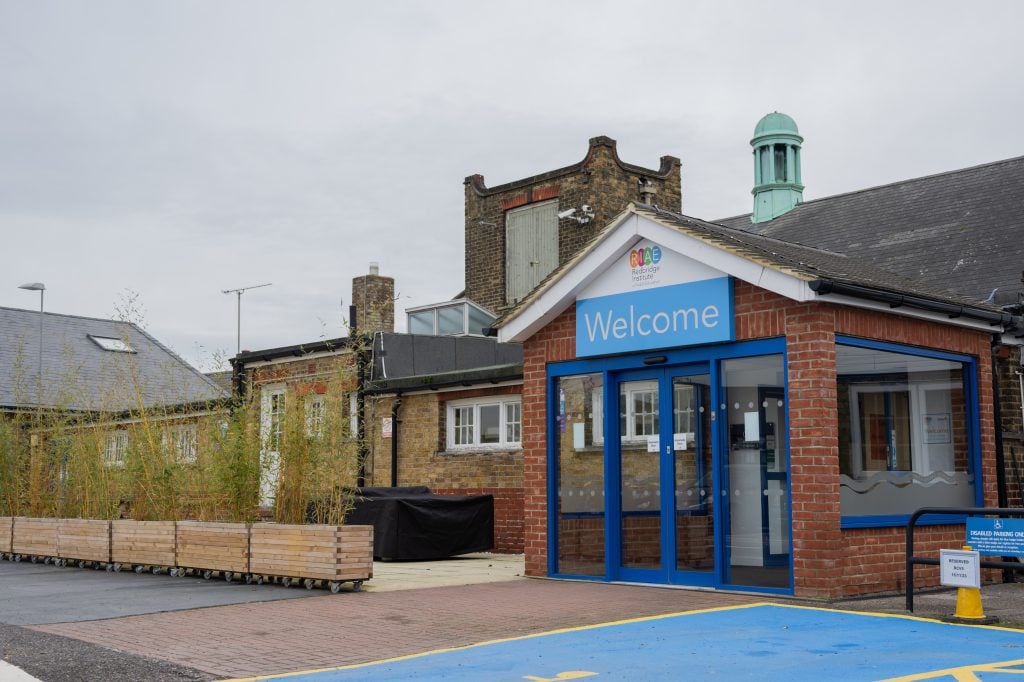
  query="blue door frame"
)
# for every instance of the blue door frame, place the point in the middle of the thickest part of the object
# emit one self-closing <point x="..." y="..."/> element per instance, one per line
<point x="667" y="573"/>
<point x="613" y="368"/>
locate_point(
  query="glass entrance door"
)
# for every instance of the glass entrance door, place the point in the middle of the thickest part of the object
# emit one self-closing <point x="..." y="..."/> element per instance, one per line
<point x="756" y="518"/>
<point x="663" y="448"/>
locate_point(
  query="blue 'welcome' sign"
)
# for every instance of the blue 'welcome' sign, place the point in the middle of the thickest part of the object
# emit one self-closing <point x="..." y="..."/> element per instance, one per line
<point x="662" y="317"/>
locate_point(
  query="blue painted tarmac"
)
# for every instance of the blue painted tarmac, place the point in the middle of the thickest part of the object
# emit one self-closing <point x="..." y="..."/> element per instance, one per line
<point x="758" y="642"/>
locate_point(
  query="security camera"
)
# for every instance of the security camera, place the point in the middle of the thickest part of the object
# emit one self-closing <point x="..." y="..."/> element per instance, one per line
<point x="566" y="213"/>
<point x="587" y="208"/>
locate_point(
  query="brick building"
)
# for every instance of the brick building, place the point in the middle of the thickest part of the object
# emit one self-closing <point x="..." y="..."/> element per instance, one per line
<point x="439" y="409"/>
<point x="537" y="223"/>
<point x="762" y="402"/>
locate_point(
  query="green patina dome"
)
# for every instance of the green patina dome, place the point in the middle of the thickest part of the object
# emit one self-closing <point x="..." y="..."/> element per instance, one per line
<point x="775" y="122"/>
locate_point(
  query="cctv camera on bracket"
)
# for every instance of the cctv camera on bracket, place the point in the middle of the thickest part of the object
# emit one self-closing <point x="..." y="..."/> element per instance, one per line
<point x="567" y="213"/>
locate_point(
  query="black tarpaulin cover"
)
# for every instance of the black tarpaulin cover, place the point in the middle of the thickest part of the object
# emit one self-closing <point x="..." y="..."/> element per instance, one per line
<point x="411" y="523"/>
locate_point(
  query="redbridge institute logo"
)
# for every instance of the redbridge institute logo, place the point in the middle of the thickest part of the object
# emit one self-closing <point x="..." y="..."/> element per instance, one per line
<point x="644" y="263"/>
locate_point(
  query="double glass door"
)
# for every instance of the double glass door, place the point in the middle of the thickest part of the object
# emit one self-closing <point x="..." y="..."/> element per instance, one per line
<point x="666" y="507"/>
<point x="676" y="456"/>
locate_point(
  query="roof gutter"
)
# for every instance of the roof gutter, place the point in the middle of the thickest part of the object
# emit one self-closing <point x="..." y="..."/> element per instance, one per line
<point x="953" y="310"/>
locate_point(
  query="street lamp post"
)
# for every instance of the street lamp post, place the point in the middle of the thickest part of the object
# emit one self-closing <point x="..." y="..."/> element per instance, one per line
<point x="41" y="288"/>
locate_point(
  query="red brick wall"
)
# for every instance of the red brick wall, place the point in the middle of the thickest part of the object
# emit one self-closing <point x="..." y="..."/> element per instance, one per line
<point x="508" y="515"/>
<point x="555" y="343"/>
<point x="828" y="562"/>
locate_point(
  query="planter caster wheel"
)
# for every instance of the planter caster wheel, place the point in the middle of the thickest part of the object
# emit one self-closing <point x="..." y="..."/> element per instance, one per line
<point x="287" y="582"/>
<point x="228" y="575"/>
<point x="17" y="558"/>
<point x="207" y="575"/>
<point x="81" y="564"/>
<point x="46" y="561"/>
<point x="116" y="568"/>
<point x="357" y="586"/>
<point x="248" y="578"/>
<point x="140" y="569"/>
<point x="157" y="570"/>
<point x="335" y="587"/>
<point x="259" y="580"/>
<point x="34" y="559"/>
<point x="309" y="583"/>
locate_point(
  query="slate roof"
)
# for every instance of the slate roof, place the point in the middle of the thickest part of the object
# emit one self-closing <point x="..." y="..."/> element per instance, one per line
<point x="798" y="260"/>
<point x="804" y="261"/>
<point x="80" y="375"/>
<point x="403" y="361"/>
<point x="961" y="231"/>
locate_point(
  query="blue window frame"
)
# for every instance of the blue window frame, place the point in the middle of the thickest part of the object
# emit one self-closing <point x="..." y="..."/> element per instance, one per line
<point x="608" y="368"/>
<point x="908" y="432"/>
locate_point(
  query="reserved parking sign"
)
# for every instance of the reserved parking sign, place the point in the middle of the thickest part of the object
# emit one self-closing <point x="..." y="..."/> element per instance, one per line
<point x="960" y="568"/>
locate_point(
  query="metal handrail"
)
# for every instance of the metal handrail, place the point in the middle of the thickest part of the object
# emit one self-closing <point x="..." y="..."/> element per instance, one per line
<point x="947" y="511"/>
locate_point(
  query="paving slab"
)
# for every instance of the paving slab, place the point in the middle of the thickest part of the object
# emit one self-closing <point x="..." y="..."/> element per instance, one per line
<point x="333" y="630"/>
<point x="468" y="569"/>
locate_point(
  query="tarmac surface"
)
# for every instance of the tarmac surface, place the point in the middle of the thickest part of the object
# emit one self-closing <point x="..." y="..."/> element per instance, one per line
<point x="79" y="624"/>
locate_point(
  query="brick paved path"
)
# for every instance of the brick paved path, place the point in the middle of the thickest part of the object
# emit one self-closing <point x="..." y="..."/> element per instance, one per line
<point x="333" y="630"/>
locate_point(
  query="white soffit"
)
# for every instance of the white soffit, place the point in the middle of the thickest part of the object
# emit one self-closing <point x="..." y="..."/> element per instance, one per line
<point x="564" y="290"/>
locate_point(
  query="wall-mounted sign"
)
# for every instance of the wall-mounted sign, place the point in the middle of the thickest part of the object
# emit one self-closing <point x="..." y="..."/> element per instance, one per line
<point x="996" y="537"/>
<point x="662" y="317"/>
<point x="653" y="297"/>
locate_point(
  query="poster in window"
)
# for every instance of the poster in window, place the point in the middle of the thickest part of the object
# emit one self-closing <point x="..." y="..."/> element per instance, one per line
<point x="937" y="428"/>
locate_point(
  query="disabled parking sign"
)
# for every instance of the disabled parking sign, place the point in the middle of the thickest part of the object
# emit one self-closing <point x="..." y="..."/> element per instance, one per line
<point x="996" y="537"/>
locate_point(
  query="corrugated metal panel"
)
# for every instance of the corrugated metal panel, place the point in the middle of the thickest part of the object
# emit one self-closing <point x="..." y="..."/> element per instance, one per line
<point x="531" y="248"/>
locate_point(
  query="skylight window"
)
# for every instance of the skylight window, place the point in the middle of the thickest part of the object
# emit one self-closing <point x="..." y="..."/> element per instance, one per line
<point x="113" y="345"/>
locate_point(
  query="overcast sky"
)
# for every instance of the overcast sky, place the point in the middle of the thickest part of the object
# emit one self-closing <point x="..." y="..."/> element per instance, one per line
<point x="160" y="152"/>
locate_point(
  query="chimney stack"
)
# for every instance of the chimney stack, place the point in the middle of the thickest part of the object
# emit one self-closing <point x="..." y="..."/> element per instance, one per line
<point x="374" y="299"/>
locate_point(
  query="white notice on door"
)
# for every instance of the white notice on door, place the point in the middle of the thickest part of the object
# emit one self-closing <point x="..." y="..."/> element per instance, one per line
<point x="653" y="444"/>
<point x="679" y="441"/>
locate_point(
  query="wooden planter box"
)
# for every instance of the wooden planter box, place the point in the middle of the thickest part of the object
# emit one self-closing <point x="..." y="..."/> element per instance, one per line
<point x="149" y="543"/>
<point x="320" y="552"/>
<point x="6" y="533"/>
<point x="84" y="539"/>
<point x="214" y="546"/>
<point x="34" y="537"/>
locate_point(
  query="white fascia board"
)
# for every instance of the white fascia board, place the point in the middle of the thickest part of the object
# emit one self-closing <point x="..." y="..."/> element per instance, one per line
<point x="561" y="293"/>
<point x="473" y="386"/>
<point x="1010" y="339"/>
<point x="907" y="311"/>
<point x="283" y="360"/>
<point x="731" y="264"/>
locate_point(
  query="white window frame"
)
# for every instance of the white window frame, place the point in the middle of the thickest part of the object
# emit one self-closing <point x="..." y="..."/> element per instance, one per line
<point x="272" y="415"/>
<point x="920" y="460"/>
<point x="183" y="441"/>
<point x="115" y="454"/>
<point x="473" y="406"/>
<point x="597" y="405"/>
<point x="315" y="406"/>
